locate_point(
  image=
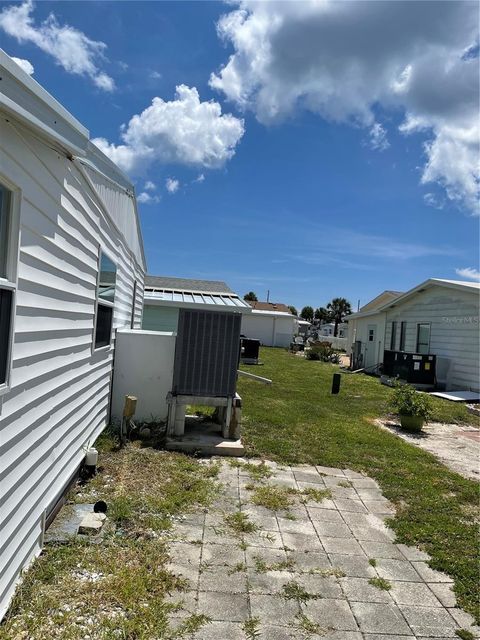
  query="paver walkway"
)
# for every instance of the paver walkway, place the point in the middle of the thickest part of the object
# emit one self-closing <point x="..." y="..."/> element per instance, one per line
<point x="312" y="571"/>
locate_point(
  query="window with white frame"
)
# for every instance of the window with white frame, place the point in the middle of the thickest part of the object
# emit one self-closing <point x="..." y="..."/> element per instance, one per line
<point x="105" y="301"/>
<point x="7" y="284"/>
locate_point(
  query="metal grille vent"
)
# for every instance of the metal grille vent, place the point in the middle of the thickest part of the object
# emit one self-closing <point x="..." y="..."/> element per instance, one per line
<point x="207" y="353"/>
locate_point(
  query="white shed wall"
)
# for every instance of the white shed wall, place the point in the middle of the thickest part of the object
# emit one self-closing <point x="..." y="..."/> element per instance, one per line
<point x="453" y="315"/>
<point x="59" y="394"/>
<point x="143" y="368"/>
<point x="272" y="331"/>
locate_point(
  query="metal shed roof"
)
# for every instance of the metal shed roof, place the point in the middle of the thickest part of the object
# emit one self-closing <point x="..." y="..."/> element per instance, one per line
<point x="182" y="292"/>
<point x="179" y="298"/>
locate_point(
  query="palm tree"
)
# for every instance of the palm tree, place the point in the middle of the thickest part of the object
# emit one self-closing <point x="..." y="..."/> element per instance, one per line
<point x="322" y="314"/>
<point x="307" y="313"/>
<point x="339" y="308"/>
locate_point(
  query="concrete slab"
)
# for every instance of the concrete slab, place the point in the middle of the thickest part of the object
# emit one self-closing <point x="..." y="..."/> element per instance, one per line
<point x="206" y="444"/>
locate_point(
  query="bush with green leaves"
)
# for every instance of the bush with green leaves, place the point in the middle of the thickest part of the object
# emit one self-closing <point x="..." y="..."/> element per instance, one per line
<point x="407" y="401"/>
<point x="323" y="352"/>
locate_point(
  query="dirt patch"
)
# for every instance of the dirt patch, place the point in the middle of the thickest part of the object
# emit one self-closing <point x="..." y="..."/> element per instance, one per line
<point x="458" y="447"/>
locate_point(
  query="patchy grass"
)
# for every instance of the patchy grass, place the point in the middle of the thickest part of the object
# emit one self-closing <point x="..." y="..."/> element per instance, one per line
<point x="118" y="588"/>
<point x="380" y="583"/>
<point x="273" y="497"/>
<point x="240" y="523"/>
<point x="315" y="495"/>
<point x="297" y="420"/>
<point x="372" y="562"/>
<point x="464" y="634"/>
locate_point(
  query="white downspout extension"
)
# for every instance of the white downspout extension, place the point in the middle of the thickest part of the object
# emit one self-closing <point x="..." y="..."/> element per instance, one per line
<point x="274" y="332"/>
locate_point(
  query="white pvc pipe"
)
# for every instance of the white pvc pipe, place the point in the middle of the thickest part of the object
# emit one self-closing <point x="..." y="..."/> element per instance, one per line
<point x="254" y="377"/>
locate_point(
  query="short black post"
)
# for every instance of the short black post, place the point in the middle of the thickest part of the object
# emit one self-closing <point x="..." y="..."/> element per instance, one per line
<point x="336" y="383"/>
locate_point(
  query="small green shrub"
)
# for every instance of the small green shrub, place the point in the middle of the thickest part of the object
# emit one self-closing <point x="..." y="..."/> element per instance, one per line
<point x="324" y="352"/>
<point x="406" y="401"/>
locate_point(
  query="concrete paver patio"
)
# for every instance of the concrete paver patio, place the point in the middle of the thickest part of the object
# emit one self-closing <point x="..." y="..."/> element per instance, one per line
<point x="315" y="570"/>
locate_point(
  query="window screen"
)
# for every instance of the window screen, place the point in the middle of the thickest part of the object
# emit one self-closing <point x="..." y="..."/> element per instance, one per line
<point x="403" y="333"/>
<point x="423" y="338"/>
<point x="393" y="336"/>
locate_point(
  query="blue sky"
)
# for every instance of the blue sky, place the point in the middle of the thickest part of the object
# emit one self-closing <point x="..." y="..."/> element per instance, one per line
<point x="312" y="188"/>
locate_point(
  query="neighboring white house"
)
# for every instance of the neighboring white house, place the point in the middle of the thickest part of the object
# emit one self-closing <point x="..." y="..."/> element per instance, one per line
<point x="71" y="272"/>
<point x="438" y="317"/>
<point x="271" y="323"/>
<point x="328" y="329"/>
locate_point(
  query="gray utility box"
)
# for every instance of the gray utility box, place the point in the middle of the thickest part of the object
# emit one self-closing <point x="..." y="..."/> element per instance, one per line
<point x="207" y="353"/>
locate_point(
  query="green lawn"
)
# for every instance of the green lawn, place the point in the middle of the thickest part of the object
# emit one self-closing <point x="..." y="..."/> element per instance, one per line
<point x="297" y="420"/>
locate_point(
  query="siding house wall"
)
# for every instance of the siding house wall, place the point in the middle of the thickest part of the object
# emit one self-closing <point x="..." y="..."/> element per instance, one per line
<point x="58" y="398"/>
<point x="451" y="310"/>
<point x="453" y="316"/>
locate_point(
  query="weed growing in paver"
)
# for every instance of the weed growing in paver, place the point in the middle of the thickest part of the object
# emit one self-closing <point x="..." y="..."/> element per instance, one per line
<point x="326" y="573"/>
<point x="293" y="591"/>
<point x="344" y="483"/>
<point x="262" y="567"/>
<point x="237" y="568"/>
<point x="314" y="495"/>
<point x="240" y="523"/>
<point x="192" y="624"/>
<point x="273" y="497"/>
<point x="297" y="420"/>
<point x="258" y="471"/>
<point x="251" y="628"/>
<point x="380" y="583"/>
<point x="243" y="545"/>
<point x="372" y="562"/>
<point x="464" y="634"/>
<point x="255" y="471"/>
<point x="309" y="626"/>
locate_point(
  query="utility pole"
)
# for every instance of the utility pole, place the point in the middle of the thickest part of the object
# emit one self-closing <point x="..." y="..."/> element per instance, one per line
<point x="268" y="295"/>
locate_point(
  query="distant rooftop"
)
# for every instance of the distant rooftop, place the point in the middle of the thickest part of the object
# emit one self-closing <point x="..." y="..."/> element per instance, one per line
<point x="269" y="306"/>
<point x="167" y="283"/>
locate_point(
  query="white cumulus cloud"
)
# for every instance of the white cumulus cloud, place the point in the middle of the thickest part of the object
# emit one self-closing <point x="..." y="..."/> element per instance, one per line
<point x="70" y="48"/>
<point x="149" y="186"/>
<point x="146" y="198"/>
<point x="183" y="131"/>
<point x="172" y="185"/>
<point x="346" y="60"/>
<point x="26" y="65"/>
<point x="469" y="273"/>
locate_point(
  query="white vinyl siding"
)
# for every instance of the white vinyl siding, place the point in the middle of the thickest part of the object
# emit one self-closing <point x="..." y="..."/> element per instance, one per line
<point x="453" y="316"/>
<point x="58" y="400"/>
